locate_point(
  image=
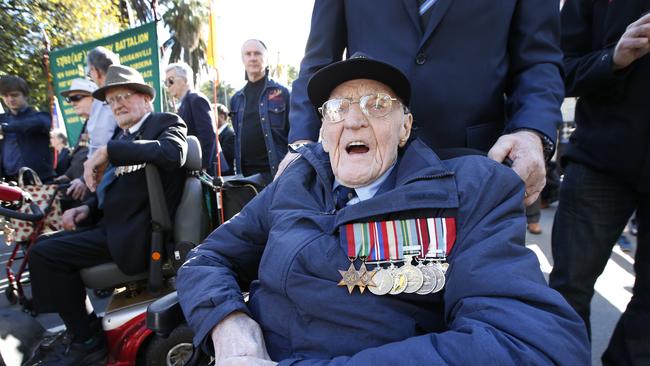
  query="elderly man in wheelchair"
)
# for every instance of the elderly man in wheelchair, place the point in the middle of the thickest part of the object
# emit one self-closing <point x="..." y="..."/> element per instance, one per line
<point x="370" y="249"/>
<point x="144" y="158"/>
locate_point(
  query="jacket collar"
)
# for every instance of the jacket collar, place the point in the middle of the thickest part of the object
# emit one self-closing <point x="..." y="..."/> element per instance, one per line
<point x="268" y="83"/>
<point x="438" y="12"/>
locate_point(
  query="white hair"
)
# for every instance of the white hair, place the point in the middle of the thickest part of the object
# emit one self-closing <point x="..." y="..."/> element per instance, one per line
<point x="183" y="70"/>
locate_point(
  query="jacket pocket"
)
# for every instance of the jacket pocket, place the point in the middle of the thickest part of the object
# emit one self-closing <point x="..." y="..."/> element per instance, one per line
<point x="483" y="136"/>
<point x="277" y="113"/>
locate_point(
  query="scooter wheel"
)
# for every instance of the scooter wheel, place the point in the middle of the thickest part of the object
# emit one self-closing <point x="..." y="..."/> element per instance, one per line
<point x="12" y="295"/>
<point x="175" y="350"/>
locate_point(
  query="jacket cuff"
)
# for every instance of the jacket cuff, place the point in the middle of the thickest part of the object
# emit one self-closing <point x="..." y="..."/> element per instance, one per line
<point x="212" y="318"/>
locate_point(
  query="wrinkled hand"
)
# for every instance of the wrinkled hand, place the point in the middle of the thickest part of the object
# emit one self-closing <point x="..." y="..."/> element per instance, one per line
<point x="291" y="156"/>
<point x="525" y="150"/>
<point x="73" y="216"/>
<point x="236" y="336"/>
<point x="634" y="44"/>
<point x="77" y="189"/>
<point x="245" y="361"/>
<point x="94" y="168"/>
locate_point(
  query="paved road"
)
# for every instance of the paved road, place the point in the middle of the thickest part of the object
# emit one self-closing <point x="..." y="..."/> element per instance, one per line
<point x="613" y="289"/>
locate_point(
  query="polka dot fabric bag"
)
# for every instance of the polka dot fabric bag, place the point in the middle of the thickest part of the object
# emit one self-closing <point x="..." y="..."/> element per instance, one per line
<point x="46" y="196"/>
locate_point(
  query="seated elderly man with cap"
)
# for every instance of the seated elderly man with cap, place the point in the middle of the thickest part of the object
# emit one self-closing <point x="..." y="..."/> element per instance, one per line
<point x="120" y="207"/>
<point x="371" y="250"/>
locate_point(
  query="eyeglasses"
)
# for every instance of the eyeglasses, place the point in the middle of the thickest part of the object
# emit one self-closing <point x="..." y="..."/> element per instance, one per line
<point x="169" y="82"/>
<point x="372" y="105"/>
<point x="118" y="98"/>
<point x="76" y="98"/>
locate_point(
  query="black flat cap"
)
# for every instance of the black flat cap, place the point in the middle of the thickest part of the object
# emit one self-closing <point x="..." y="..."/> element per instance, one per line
<point x="359" y="66"/>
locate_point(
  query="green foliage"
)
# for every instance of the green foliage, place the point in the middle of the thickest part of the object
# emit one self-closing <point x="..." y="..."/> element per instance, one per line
<point x="66" y="22"/>
<point x="186" y="19"/>
<point x="223" y="94"/>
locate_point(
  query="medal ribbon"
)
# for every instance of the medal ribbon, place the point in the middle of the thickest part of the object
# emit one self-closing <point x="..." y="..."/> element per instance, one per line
<point x="391" y="240"/>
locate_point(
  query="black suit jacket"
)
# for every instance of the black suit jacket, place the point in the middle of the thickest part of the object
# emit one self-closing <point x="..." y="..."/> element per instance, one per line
<point x="195" y="110"/>
<point x="227" y="142"/>
<point x="613" y="113"/>
<point x="127" y="218"/>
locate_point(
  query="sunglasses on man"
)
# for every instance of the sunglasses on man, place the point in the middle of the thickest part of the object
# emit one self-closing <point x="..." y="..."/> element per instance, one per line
<point x="76" y="98"/>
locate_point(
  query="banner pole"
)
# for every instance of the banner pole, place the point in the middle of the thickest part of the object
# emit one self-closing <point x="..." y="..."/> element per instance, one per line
<point x="50" y="88"/>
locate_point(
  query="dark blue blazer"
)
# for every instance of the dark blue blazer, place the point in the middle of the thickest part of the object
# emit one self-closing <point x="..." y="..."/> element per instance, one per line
<point x="479" y="69"/>
<point x="33" y="131"/>
<point x="196" y="111"/>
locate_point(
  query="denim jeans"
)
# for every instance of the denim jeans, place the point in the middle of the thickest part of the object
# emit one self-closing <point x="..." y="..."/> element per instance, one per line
<point x="593" y="210"/>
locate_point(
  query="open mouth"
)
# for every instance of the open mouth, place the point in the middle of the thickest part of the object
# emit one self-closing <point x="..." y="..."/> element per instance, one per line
<point x="357" y="147"/>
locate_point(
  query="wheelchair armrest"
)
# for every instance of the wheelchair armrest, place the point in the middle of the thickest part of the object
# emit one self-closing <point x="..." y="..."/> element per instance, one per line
<point x="165" y="314"/>
<point x="160" y="224"/>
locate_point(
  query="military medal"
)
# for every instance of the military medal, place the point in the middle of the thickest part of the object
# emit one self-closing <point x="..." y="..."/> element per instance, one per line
<point x="431" y="239"/>
<point x="399" y="280"/>
<point x="349" y="277"/>
<point x="365" y="277"/>
<point x="383" y="282"/>
<point x="428" y="280"/>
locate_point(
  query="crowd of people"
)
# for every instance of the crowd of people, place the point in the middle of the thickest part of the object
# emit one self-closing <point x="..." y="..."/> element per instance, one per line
<point x="408" y="160"/>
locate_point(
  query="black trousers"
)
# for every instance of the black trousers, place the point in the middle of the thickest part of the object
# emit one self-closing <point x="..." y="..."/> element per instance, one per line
<point x="54" y="265"/>
<point x="593" y="210"/>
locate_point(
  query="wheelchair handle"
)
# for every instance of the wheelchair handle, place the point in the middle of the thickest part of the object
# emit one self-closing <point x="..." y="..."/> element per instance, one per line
<point x="33" y="217"/>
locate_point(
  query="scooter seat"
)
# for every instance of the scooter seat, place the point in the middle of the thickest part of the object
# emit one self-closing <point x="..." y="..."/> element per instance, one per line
<point x="108" y="275"/>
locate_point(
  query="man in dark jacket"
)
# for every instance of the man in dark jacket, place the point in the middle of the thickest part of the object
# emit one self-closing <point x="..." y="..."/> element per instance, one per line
<point x="123" y="233"/>
<point x="260" y="116"/>
<point x="607" y="165"/>
<point x="25" y="132"/>
<point x="195" y="110"/>
<point x="226" y="137"/>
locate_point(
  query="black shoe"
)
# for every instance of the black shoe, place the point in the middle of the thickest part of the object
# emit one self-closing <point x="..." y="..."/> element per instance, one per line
<point x="52" y="343"/>
<point x="75" y="354"/>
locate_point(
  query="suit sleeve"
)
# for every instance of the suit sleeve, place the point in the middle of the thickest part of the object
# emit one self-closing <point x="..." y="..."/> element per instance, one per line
<point x="167" y="151"/>
<point x="208" y="282"/>
<point x="534" y="86"/>
<point x="201" y="111"/>
<point x="37" y="123"/>
<point x="498" y="307"/>
<point x="325" y="45"/>
<point x="588" y="71"/>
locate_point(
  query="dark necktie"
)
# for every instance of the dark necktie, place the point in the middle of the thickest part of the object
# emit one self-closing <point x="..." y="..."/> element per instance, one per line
<point x="342" y="195"/>
<point x="109" y="173"/>
<point x="425" y="12"/>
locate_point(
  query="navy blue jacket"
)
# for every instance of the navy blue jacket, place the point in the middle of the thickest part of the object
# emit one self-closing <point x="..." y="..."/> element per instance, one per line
<point x="196" y="111"/>
<point x="274" y="116"/>
<point x="33" y="131"/>
<point x="613" y="111"/>
<point x="471" y="55"/>
<point x="496" y="308"/>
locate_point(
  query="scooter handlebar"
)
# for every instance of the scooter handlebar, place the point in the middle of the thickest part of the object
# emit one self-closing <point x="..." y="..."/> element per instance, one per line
<point x="36" y="214"/>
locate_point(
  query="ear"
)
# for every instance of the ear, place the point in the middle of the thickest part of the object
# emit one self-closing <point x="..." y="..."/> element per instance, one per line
<point x="405" y="130"/>
<point x="325" y="143"/>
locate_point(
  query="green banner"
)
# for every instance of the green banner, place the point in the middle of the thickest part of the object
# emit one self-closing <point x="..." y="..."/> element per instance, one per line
<point x="137" y="48"/>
